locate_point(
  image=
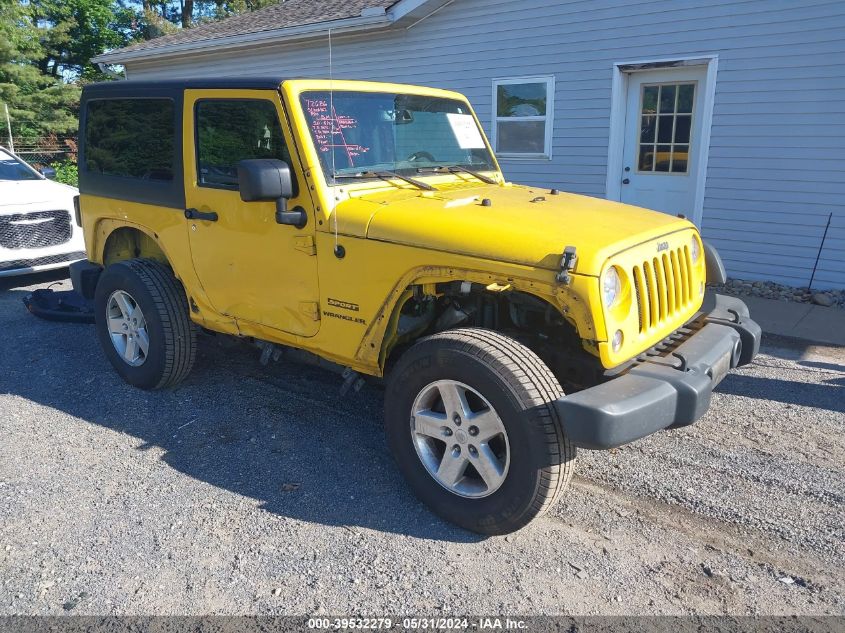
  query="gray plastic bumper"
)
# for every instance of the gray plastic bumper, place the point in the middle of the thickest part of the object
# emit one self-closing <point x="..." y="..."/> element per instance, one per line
<point x="664" y="392"/>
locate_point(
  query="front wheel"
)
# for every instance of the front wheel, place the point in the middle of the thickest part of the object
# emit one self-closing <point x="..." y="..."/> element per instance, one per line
<point x="469" y="419"/>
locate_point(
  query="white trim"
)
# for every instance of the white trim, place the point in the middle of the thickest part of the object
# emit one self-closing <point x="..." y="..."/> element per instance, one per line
<point x="548" y="118"/>
<point x="425" y="17"/>
<point x="368" y="20"/>
<point x="618" y="107"/>
<point x="706" y="124"/>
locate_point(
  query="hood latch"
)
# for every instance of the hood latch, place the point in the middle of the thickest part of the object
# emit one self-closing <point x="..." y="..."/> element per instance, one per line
<point x="567" y="264"/>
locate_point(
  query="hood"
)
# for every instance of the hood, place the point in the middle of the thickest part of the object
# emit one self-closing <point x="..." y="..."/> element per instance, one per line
<point x="522" y="225"/>
<point x="17" y="193"/>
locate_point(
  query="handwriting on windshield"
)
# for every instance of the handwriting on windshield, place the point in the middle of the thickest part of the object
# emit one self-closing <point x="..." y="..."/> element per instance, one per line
<point x="329" y="129"/>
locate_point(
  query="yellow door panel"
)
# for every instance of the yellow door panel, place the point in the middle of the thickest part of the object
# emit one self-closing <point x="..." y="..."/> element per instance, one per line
<point x="250" y="267"/>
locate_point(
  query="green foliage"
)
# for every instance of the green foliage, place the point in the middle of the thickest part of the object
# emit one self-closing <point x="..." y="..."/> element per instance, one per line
<point x="37" y="103"/>
<point x="46" y="47"/>
<point x="71" y="32"/>
<point x="67" y="173"/>
<point x="219" y="9"/>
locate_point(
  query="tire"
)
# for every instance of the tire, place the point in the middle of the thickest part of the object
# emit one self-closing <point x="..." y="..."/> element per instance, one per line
<point x="170" y="336"/>
<point x="532" y="460"/>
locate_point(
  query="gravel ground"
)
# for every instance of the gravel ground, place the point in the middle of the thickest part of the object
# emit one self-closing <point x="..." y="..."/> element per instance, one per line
<point x="262" y="490"/>
<point x="772" y="290"/>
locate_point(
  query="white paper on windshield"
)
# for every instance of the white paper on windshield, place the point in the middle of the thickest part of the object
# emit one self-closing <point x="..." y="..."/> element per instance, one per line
<point x="465" y="131"/>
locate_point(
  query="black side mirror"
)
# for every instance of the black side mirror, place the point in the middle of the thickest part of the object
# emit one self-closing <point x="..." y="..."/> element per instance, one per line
<point x="48" y="172"/>
<point x="270" y="179"/>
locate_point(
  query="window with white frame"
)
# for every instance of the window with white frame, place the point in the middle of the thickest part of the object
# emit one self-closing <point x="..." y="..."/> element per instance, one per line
<point x="523" y="116"/>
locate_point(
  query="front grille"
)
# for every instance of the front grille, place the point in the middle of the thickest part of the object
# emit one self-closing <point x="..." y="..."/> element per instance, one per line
<point x="663" y="287"/>
<point x="35" y="230"/>
<point x="22" y="264"/>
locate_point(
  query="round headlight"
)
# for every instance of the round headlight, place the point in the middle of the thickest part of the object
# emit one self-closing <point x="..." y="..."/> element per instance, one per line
<point x="611" y="286"/>
<point x="694" y="250"/>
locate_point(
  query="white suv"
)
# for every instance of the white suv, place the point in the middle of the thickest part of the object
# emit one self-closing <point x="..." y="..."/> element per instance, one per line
<point x="37" y="228"/>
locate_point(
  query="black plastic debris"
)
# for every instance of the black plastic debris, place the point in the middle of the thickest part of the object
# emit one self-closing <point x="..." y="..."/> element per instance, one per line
<point x="60" y="305"/>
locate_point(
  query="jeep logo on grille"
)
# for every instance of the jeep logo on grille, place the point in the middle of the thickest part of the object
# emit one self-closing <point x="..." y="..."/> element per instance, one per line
<point x="662" y="246"/>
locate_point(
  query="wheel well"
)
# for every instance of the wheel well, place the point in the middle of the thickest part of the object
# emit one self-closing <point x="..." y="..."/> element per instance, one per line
<point x="130" y="243"/>
<point x="533" y="321"/>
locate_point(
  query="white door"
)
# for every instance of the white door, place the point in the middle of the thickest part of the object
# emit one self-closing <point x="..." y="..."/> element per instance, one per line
<point x="663" y="125"/>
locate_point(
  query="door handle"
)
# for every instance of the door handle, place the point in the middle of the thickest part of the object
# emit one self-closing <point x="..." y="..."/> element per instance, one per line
<point x="194" y="214"/>
<point x="626" y="181"/>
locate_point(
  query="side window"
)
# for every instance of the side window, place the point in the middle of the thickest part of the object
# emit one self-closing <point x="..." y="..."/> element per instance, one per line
<point x="133" y="138"/>
<point x="229" y="131"/>
<point x="523" y="116"/>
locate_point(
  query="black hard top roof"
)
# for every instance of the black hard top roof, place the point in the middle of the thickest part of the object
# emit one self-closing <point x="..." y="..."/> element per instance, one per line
<point x="132" y="87"/>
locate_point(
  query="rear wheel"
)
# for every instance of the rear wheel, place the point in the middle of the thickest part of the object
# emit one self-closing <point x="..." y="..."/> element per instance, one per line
<point x="469" y="419"/>
<point x="143" y="323"/>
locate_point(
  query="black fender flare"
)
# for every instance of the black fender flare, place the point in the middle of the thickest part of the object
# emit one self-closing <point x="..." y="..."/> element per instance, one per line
<point x="716" y="273"/>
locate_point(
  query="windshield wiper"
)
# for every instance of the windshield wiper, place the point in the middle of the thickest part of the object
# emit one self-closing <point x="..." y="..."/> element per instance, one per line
<point x="388" y="175"/>
<point x="460" y="168"/>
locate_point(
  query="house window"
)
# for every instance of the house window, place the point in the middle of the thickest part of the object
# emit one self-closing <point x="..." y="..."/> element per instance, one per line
<point x="523" y="115"/>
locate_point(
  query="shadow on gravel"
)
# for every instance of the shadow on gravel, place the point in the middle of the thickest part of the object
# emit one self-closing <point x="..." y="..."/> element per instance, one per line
<point x="829" y="396"/>
<point x="819" y="365"/>
<point x="281" y="434"/>
<point x="20" y="281"/>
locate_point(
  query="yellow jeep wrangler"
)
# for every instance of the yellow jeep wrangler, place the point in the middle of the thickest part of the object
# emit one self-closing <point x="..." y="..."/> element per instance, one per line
<point x="369" y="225"/>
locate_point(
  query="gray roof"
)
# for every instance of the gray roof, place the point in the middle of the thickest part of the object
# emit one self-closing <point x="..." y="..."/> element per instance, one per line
<point x="286" y="14"/>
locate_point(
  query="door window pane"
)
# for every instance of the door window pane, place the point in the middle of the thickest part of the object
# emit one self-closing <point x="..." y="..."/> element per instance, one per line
<point x="662" y="158"/>
<point x="229" y="131"/>
<point x="665" y="137"/>
<point x="664" y="129"/>
<point x="646" y="161"/>
<point x="647" y="129"/>
<point x="680" y="155"/>
<point x="650" y="99"/>
<point x="133" y="138"/>
<point x="686" y="93"/>
<point x="667" y="99"/>
<point x="682" y="128"/>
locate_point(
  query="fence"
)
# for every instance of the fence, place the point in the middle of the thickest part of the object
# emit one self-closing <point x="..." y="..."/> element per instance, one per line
<point x="46" y="150"/>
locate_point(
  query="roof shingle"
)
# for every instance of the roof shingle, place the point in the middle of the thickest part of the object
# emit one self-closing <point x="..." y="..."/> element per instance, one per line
<point x="286" y="14"/>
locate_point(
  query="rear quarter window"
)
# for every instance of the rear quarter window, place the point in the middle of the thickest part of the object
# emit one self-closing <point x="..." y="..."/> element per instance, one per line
<point x="133" y="138"/>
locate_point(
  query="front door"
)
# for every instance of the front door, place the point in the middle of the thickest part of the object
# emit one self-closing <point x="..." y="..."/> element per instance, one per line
<point x="663" y="126"/>
<point x="250" y="267"/>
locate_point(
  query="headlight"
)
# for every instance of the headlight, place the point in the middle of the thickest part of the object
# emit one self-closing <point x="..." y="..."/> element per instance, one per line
<point x="695" y="249"/>
<point x="611" y="286"/>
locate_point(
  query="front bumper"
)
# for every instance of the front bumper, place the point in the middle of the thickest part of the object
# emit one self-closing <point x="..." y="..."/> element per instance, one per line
<point x="38" y="264"/>
<point x="662" y="392"/>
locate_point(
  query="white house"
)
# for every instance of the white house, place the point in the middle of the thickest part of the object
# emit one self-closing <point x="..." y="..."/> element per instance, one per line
<point x="731" y="112"/>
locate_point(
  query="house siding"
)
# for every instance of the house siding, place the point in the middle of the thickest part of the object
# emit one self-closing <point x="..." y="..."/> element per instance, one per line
<point x="777" y="147"/>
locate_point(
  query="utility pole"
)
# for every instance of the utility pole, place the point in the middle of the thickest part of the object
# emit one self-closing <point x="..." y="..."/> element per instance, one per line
<point x="9" y="127"/>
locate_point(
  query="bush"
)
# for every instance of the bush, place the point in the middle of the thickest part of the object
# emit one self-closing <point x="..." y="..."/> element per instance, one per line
<point x="67" y="173"/>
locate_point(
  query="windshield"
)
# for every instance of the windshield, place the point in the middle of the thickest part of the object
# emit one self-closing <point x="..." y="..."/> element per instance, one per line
<point x="357" y="132"/>
<point x="13" y="169"/>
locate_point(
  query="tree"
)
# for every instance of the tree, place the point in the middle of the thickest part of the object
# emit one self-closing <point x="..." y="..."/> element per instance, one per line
<point x="38" y="103"/>
<point x="71" y="32"/>
<point x="46" y="47"/>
